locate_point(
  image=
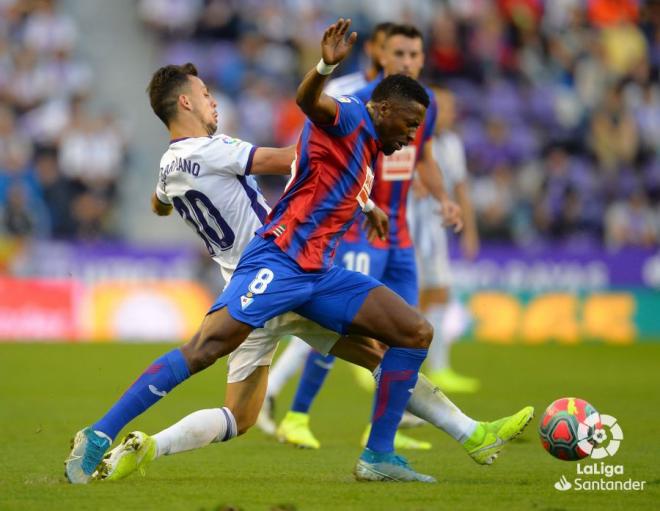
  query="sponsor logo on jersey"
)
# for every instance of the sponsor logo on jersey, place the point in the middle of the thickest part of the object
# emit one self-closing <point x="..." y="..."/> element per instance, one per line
<point x="400" y="165"/>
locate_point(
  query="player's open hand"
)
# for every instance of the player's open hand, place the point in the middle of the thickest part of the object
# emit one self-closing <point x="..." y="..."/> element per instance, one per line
<point x="335" y="45"/>
<point x="379" y="224"/>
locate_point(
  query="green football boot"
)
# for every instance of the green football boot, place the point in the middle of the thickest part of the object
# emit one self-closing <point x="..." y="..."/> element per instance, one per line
<point x="294" y="429"/>
<point x="489" y="438"/>
<point x="135" y="452"/>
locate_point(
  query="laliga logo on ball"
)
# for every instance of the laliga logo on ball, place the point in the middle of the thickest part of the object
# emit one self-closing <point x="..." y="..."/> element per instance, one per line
<point x="599" y="436"/>
<point x="572" y="429"/>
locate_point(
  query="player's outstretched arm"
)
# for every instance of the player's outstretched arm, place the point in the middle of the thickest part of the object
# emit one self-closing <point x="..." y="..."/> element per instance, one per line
<point x="273" y="160"/>
<point x="160" y="208"/>
<point x="431" y="177"/>
<point x="335" y="46"/>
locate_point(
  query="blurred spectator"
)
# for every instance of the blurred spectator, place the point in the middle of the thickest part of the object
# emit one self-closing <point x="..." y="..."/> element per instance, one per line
<point x="580" y="77"/>
<point x="57" y="195"/>
<point x="20" y="217"/>
<point x="631" y="223"/>
<point x="494" y="200"/>
<point x="560" y="102"/>
<point x="43" y="85"/>
<point x="91" y="152"/>
<point x="48" y="31"/>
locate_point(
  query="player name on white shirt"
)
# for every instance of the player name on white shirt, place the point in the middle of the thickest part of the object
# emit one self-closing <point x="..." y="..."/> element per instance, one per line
<point x="207" y="181"/>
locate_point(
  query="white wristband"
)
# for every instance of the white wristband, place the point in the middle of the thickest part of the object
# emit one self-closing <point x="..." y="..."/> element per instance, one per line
<point x="368" y="206"/>
<point x="325" y="69"/>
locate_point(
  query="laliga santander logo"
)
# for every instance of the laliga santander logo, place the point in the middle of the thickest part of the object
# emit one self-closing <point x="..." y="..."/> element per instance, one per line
<point x="594" y="445"/>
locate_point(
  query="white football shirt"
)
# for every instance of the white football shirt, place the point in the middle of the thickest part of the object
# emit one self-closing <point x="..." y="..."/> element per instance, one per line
<point x="207" y="181"/>
<point x="449" y="152"/>
<point x="345" y="85"/>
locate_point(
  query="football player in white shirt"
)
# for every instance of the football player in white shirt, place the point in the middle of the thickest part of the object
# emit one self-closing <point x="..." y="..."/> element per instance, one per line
<point x="197" y="166"/>
<point x="430" y="238"/>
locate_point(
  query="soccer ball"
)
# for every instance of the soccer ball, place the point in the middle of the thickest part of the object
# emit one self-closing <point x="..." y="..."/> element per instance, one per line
<point x="558" y="428"/>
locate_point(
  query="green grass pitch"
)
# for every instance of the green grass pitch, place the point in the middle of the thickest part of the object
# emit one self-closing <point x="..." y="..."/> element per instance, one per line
<point x="47" y="392"/>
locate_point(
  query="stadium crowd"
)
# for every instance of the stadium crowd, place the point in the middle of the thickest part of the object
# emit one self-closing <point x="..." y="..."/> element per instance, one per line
<point x="560" y="100"/>
<point x="560" y="105"/>
<point x="59" y="158"/>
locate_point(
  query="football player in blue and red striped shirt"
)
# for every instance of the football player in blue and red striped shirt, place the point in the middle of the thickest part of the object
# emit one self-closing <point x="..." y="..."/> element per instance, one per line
<point x="391" y="259"/>
<point x="288" y="266"/>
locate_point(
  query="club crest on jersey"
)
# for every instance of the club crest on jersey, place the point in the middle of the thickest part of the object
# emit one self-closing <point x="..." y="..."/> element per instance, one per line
<point x="246" y="300"/>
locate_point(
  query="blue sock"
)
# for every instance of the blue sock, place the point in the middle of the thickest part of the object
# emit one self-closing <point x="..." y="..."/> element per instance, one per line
<point x="398" y="376"/>
<point x="316" y="369"/>
<point x="160" y="377"/>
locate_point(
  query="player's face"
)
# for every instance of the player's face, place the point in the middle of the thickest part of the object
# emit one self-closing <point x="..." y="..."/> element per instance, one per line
<point x="374" y="50"/>
<point x="397" y="122"/>
<point x="403" y="55"/>
<point x="203" y="105"/>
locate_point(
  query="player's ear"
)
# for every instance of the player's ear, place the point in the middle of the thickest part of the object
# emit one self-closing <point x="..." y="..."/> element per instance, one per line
<point x="382" y="58"/>
<point x="184" y="102"/>
<point x="384" y="108"/>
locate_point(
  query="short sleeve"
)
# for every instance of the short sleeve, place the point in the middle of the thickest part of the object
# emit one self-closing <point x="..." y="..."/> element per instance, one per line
<point x="460" y="168"/>
<point x="228" y="155"/>
<point x="160" y="191"/>
<point x="349" y="115"/>
<point x="429" y="120"/>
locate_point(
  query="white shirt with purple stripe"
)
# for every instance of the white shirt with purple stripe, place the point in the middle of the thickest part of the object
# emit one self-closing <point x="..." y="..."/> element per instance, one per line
<point x="207" y="180"/>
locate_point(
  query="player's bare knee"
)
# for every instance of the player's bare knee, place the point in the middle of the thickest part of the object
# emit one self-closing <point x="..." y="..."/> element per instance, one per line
<point x="423" y="334"/>
<point x="200" y="355"/>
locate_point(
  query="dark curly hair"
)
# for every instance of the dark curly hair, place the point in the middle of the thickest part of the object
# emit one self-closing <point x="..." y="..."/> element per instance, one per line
<point x="165" y="86"/>
<point x="400" y="87"/>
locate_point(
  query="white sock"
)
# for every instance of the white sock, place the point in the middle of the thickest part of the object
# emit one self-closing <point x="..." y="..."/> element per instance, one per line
<point x="429" y="403"/>
<point x="438" y="355"/>
<point x="197" y="430"/>
<point x="286" y="365"/>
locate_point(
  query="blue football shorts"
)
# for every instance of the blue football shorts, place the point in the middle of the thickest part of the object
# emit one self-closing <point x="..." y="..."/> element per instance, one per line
<point x="267" y="283"/>
<point x="394" y="267"/>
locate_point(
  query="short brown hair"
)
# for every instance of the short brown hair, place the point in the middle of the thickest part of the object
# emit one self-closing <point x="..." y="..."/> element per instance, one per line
<point x="164" y="89"/>
<point x="409" y="31"/>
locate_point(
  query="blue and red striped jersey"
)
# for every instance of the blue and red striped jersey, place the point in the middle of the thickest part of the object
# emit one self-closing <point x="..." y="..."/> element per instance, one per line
<point x="331" y="180"/>
<point x="393" y="177"/>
